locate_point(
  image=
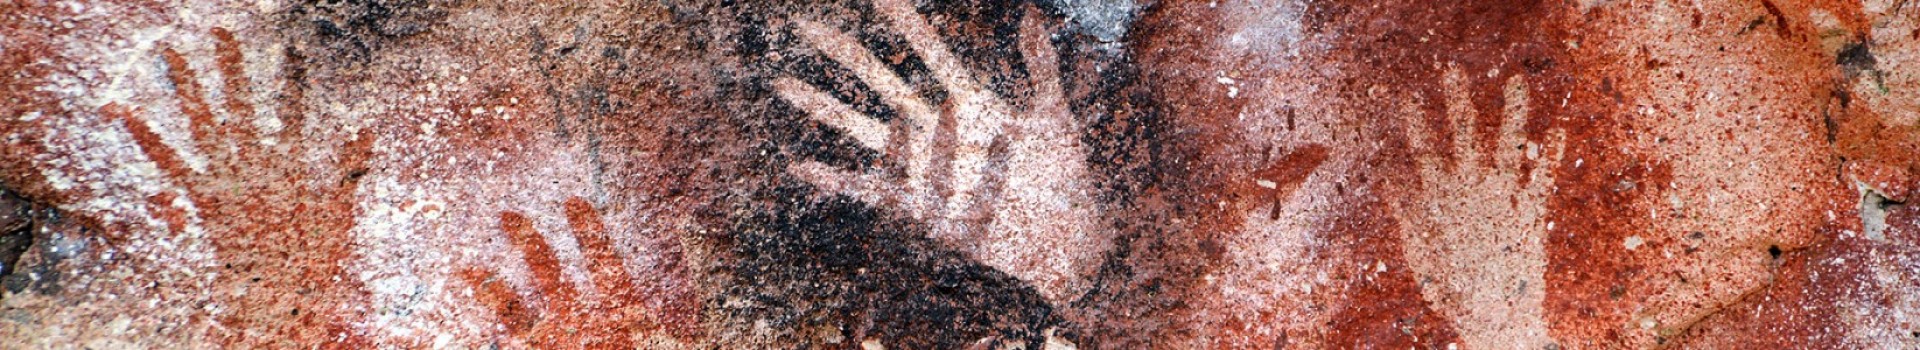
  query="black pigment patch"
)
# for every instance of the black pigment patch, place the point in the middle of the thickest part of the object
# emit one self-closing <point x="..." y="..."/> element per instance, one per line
<point x="836" y="264"/>
<point x="354" y="29"/>
<point x="16" y="234"/>
<point x="34" y="240"/>
<point x="1857" y="61"/>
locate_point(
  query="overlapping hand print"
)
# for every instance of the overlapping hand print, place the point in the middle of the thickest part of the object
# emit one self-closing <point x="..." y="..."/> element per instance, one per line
<point x="269" y="208"/>
<point x="1477" y="240"/>
<point x="1011" y="189"/>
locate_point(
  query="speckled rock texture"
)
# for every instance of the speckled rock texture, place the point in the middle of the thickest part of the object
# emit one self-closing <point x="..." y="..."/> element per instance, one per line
<point x="969" y="174"/>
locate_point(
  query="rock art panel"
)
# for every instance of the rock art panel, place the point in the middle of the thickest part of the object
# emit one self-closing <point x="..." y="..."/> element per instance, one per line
<point x="904" y="174"/>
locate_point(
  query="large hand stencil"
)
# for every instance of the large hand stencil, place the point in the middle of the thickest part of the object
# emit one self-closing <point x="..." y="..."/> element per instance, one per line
<point x="1012" y="191"/>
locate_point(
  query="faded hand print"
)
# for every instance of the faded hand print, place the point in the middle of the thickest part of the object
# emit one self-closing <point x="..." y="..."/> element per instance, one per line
<point x="1000" y="179"/>
<point x="1475" y="242"/>
<point x="281" y="227"/>
<point x="620" y="314"/>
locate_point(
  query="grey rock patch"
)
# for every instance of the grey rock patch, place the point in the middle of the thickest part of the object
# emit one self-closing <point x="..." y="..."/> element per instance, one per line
<point x="1873" y="212"/>
<point x="1106" y="20"/>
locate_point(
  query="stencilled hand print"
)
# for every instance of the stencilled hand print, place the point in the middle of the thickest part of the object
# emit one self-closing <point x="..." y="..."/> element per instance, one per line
<point x="1002" y="180"/>
<point x="620" y="314"/>
<point x="1476" y="242"/>
<point x="279" y="221"/>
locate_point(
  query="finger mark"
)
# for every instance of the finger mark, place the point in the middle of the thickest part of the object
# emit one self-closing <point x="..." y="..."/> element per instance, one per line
<point x="1513" y="138"/>
<point x="541" y="261"/>
<point x="841" y="82"/>
<point x="868" y="187"/>
<point x="582" y="218"/>
<point x="982" y="211"/>
<point x="921" y="120"/>
<point x="609" y="271"/>
<point x="925" y="162"/>
<point x="239" y="91"/>
<point x="871" y="132"/>
<point x="944" y="150"/>
<point x="848" y="51"/>
<point x="150" y="143"/>
<point x="193" y="103"/>
<point x="1036" y="44"/>
<point x="1460" y="115"/>
<point x="500" y="299"/>
<point x="897" y="147"/>
<point x="1413" y="120"/>
<point x="925" y="40"/>
<point x="969" y="171"/>
<point x="1420" y="137"/>
<point x="292" y="109"/>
